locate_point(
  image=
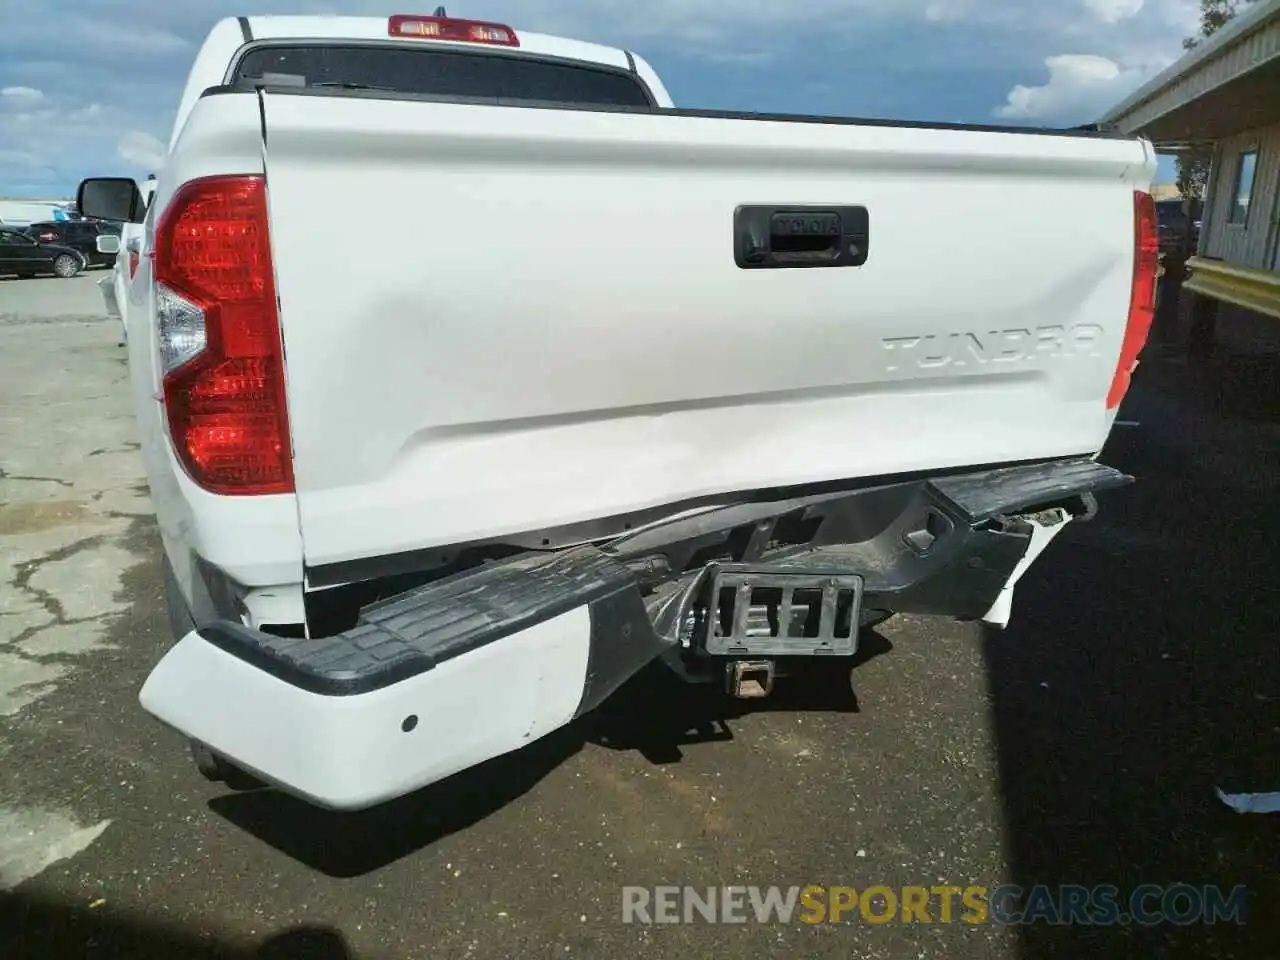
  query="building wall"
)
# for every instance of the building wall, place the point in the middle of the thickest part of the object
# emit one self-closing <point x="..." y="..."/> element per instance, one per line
<point x="1252" y="244"/>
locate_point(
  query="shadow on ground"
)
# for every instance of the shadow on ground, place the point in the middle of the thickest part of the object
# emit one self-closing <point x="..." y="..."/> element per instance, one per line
<point x="1141" y="672"/>
<point x="34" y="929"/>
<point x="656" y="714"/>
<point x="1237" y="381"/>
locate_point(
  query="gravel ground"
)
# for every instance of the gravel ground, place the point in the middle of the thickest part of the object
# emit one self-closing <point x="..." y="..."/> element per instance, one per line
<point x="1082" y="745"/>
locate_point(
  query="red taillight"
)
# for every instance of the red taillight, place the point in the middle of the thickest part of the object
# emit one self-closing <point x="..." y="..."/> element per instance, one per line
<point x="446" y="28"/>
<point x="220" y="338"/>
<point x="1142" y="297"/>
<point x="133" y="263"/>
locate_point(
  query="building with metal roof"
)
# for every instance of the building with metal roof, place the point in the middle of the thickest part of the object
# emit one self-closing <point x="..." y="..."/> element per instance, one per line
<point x="1224" y="95"/>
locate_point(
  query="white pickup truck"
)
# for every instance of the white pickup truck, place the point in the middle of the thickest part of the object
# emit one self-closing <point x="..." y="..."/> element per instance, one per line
<point x="617" y="383"/>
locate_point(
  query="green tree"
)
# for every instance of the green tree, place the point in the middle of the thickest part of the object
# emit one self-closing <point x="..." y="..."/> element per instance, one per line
<point x="1193" y="171"/>
<point x="1214" y="15"/>
<point x="1194" y="162"/>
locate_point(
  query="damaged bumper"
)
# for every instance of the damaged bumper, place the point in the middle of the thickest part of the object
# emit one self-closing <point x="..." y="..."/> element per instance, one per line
<point x="461" y="670"/>
<point x="426" y="685"/>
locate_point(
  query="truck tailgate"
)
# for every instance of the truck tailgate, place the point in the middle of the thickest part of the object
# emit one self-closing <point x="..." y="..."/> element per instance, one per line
<point x="504" y="319"/>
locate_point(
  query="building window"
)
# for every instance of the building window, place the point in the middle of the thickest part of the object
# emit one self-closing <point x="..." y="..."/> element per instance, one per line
<point x="1245" y="166"/>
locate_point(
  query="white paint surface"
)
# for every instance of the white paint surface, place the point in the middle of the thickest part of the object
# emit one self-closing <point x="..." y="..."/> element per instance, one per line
<point x="627" y="369"/>
<point x="533" y="363"/>
<point x="33" y="840"/>
<point x="351" y="752"/>
<point x="1042" y="535"/>
<point x="70" y="482"/>
<point x="24" y="681"/>
<point x="1251" y="802"/>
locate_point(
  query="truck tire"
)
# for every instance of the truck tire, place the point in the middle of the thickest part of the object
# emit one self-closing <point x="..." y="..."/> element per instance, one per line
<point x="211" y="766"/>
<point x="66" y="266"/>
<point x="216" y="770"/>
<point x="206" y="762"/>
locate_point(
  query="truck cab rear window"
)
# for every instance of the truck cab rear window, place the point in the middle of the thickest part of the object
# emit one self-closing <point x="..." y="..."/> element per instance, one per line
<point x="441" y="73"/>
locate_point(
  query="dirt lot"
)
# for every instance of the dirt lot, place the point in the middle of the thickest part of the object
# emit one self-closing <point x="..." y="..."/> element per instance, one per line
<point x="1081" y="746"/>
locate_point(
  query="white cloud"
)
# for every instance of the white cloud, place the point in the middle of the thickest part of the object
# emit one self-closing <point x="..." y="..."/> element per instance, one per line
<point x="131" y="39"/>
<point x="24" y="160"/>
<point x="26" y="95"/>
<point x="707" y="28"/>
<point x="108" y="80"/>
<point x="1113" y="11"/>
<point x="947" y="11"/>
<point x="117" y="34"/>
<point x="48" y="145"/>
<point x="140" y="149"/>
<point x="1081" y="87"/>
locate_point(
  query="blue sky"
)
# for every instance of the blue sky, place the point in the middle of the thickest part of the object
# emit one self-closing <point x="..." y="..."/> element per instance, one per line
<point x="90" y="86"/>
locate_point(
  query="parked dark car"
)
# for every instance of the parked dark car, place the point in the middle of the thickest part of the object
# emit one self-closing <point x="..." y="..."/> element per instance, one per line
<point x="81" y="235"/>
<point x="1174" y="225"/>
<point x="26" y="256"/>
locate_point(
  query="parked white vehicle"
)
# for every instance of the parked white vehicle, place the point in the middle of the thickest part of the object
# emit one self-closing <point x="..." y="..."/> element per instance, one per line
<point x="647" y="383"/>
<point x="128" y="249"/>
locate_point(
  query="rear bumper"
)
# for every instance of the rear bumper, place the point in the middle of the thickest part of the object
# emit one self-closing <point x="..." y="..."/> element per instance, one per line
<point x="456" y="672"/>
<point x="352" y="752"/>
<point x="428" y="684"/>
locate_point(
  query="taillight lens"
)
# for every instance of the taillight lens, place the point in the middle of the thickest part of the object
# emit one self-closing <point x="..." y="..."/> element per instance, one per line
<point x="1142" y="297"/>
<point x="183" y="329"/>
<point x="133" y="263"/>
<point x="219" y="338"/>
<point x="448" y="28"/>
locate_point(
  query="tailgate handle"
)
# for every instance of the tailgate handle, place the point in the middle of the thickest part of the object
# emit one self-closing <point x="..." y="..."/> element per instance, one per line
<point x="772" y="237"/>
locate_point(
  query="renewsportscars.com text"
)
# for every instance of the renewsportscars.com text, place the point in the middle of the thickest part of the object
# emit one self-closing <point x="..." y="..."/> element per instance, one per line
<point x="1147" y="905"/>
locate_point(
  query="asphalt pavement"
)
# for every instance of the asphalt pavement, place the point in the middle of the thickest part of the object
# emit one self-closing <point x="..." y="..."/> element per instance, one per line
<point x="1083" y="745"/>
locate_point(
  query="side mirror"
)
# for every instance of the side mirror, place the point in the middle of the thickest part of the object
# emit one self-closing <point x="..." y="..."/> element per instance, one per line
<point x="108" y="243"/>
<point x="111" y="198"/>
